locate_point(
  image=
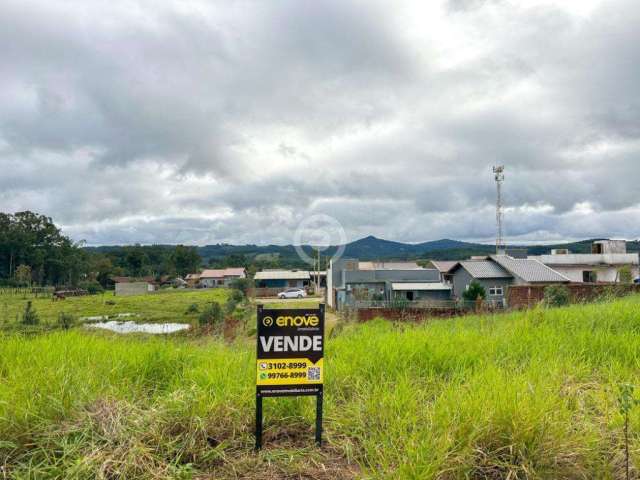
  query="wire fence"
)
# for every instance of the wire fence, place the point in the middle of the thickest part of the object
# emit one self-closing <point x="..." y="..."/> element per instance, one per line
<point x="28" y="291"/>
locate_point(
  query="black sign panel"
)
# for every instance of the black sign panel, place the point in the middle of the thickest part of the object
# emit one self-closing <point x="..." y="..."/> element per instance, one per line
<point x="290" y="358"/>
<point x="290" y="351"/>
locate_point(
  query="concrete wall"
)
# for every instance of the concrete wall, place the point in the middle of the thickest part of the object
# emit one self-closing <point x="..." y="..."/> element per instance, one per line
<point x="610" y="246"/>
<point x="604" y="273"/>
<point x="605" y="265"/>
<point x="133" y="288"/>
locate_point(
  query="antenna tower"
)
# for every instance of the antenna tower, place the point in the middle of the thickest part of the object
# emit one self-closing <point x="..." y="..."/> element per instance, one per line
<point x="499" y="176"/>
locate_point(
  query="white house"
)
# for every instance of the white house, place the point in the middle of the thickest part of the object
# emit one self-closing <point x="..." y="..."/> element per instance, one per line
<point x="602" y="265"/>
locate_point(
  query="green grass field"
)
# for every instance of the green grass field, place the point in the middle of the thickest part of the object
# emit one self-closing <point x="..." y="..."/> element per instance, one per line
<point x="163" y="306"/>
<point x="521" y="395"/>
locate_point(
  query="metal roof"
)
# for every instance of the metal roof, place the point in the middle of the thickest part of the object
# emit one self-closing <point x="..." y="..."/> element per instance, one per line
<point x="485" y="269"/>
<point x="443" y="266"/>
<point x="529" y="270"/>
<point x="283" y="275"/>
<point x="420" y="286"/>
<point x="222" y="272"/>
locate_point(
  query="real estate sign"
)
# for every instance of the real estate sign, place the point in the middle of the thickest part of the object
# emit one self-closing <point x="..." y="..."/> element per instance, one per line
<point x="290" y="356"/>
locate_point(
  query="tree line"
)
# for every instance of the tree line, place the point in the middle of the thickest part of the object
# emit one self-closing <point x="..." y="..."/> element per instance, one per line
<point x="34" y="251"/>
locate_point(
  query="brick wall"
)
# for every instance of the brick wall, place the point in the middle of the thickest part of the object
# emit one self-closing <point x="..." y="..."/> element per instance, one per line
<point x="524" y="296"/>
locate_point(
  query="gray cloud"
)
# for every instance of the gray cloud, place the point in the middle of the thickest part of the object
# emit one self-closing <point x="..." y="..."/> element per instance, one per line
<point x="140" y="121"/>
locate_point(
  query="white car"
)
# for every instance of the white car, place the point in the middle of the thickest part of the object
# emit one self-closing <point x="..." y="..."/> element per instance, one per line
<point x="292" y="293"/>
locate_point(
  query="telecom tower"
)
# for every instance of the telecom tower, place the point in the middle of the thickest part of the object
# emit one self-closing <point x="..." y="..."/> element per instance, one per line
<point x="499" y="176"/>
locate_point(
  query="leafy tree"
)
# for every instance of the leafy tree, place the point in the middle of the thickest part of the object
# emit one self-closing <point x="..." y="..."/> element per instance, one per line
<point x="23" y="274"/>
<point x="475" y="291"/>
<point x="185" y="260"/>
<point x="102" y="268"/>
<point x="136" y="260"/>
<point x="27" y="238"/>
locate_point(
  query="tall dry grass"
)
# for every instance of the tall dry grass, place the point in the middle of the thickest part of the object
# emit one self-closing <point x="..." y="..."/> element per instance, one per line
<point x="523" y="395"/>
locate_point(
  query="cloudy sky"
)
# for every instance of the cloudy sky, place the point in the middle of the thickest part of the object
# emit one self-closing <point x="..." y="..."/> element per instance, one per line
<point x="184" y="121"/>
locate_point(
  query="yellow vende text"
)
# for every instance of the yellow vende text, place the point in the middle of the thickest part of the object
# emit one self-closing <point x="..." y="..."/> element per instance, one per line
<point x="289" y="371"/>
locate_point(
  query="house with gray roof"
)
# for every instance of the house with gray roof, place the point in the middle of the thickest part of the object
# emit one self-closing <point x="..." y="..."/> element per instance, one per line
<point x="497" y="272"/>
<point x="350" y="283"/>
<point x="444" y="267"/>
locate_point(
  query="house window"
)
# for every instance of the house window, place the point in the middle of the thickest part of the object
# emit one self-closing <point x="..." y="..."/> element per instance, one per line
<point x="496" y="291"/>
<point x="589" y="276"/>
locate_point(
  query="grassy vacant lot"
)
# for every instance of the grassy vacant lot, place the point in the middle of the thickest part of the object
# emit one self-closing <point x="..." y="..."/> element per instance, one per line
<point x="163" y="306"/>
<point x="523" y="395"/>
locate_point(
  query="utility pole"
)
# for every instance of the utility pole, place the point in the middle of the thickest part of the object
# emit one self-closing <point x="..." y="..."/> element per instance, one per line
<point x="499" y="177"/>
<point x="318" y="275"/>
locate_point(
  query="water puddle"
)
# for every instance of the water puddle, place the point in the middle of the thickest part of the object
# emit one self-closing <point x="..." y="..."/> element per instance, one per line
<point x="133" y="327"/>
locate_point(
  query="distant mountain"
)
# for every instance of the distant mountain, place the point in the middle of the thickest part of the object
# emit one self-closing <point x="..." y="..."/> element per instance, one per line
<point x="368" y="248"/>
<point x="372" y="248"/>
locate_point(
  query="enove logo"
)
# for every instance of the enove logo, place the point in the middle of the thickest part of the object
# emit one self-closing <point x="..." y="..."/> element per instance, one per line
<point x="292" y="321"/>
<point x="298" y="321"/>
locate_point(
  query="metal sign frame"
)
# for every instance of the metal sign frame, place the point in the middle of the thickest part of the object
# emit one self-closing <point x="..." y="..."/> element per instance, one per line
<point x="289" y="359"/>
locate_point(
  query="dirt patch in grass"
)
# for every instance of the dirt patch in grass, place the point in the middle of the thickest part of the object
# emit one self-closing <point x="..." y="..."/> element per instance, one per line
<point x="326" y="463"/>
<point x="289" y="452"/>
<point x="112" y="438"/>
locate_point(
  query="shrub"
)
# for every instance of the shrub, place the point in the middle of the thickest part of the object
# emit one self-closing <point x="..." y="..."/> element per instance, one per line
<point x="30" y="316"/>
<point x="556" y="296"/>
<point x="193" y="308"/>
<point x="92" y="287"/>
<point x="474" y="292"/>
<point x="212" y="315"/>
<point x="234" y="299"/>
<point x="242" y="284"/>
<point x="625" y="276"/>
<point x="66" y="320"/>
<point x="237" y="296"/>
